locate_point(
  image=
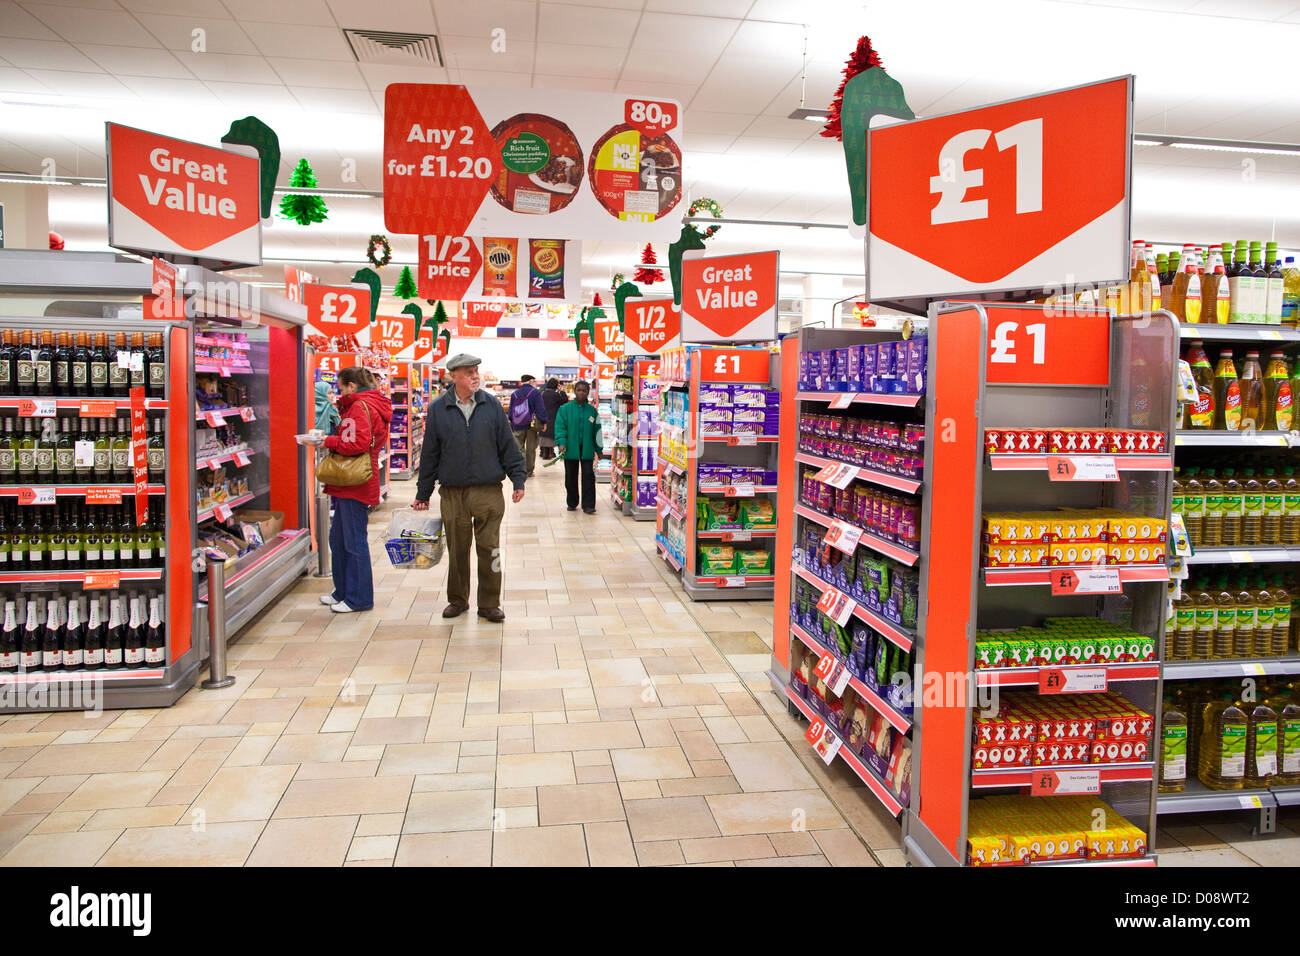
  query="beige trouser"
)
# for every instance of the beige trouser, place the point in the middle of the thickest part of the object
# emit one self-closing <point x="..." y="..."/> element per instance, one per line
<point x="527" y="441"/>
<point x="473" y="512"/>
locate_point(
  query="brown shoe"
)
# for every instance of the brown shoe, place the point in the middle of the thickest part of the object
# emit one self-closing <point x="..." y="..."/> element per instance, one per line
<point x="493" y="614"/>
<point x="454" y="610"/>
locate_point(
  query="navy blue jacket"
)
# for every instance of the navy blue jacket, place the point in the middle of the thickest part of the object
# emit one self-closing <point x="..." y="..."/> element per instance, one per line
<point x="457" y="453"/>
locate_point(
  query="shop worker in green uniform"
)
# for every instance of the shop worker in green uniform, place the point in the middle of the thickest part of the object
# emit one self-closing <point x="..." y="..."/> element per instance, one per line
<point x="577" y="439"/>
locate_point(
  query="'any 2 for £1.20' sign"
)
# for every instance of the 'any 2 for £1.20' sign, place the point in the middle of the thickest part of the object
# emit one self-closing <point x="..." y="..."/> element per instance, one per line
<point x="1012" y="196"/>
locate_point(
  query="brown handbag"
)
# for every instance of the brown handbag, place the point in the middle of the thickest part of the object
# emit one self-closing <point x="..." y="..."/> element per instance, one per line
<point x="347" y="471"/>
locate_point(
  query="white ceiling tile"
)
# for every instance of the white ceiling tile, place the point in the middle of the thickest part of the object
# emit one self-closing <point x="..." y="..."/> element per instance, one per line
<point x="92" y="26"/>
<point x="48" y="54"/>
<point x="573" y="60"/>
<point x="472" y="78"/>
<point x="681" y="92"/>
<point x="404" y="16"/>
<point x="707" y="142"/>
<point x="517" y="17"/>
<point x="278" y="39"/>
<point x="88" y="4"/>
<point x="229" y="68"/>
<point x="740" y="84"/>
<point x="198" y="8"/>
<point x="335" y="75"/>
<point x="563" y="22"/>
<point x="15" y="159"/>
<point x="177" y="34"/>
<point x="305" y="12"/>
<point x="135" y="61"/>
<point x="714" y="8"/>
<point x="778" y="40"/>
<point x="781" y="127"/>
<point x="335" y="101"/>
<point x="380" y="75"/>
<point x="666" y="67"/>
<point x="694" y="35"/>
<point x="730" y="123"/>
<point x="14" y="80"/>
<point x="543" y="81"/>
<point x="476" y="53"/>
<point x="195" y="95"/>
<point x="17" y="22"/>
<point x="760" y="146"/>
<point x="1250" y="9"/>
<point x="81" y="84"/>
<point x="248" y="96"/>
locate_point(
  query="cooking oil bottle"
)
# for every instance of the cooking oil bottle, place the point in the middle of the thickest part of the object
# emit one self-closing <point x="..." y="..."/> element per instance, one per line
<point x="1261" y="743"/>
<point x="1222" y="758"/>
<point x="1278" y="408"/>
<point x="1251" y="383"/>
<point x="1290" y="292"/>
<point x="1173" y="748"/>
<point x="1231" y="509"/>
<point x="1290" y="507"/>
<point x="1288" y="741"/>
<point x="1227" y="394"/>
<point x="1270" y="529"/>
<point x="1184" y="627"/>
<point x="1213" y="531"/>
<point x="1194" y="507"/>
<point x="1200" y="414"/>
<point x="1252" y="499"/>
<point x="1265" y="612"/>
<point x="1225" y="619"/>
<point x="1206" y="623"/>
<point x="1153" y="277"/>
<point x="1274" y="284"/>
<point x="1281" y="617"/>
<point x="1247" y="619"/>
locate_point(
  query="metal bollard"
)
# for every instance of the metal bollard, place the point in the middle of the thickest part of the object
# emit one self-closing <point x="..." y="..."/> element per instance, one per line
<point x="217" y="676"/>
<point x="323" y="565"/>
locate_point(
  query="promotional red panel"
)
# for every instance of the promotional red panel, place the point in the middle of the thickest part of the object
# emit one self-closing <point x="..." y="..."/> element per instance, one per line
<point x="336" y="309"/>
<point x="651" y="325"/>
<point x="395" y="332"/>
<point x="447" y="267"/>
<point x="439" y="159"/>
<point x="734" y="365"/>
<point x="335" y="361"/>
<point x="170" y="196"/>
<point x="650" y="117"/>
<point x="1002" y="197"/>
<point x="609" y="340"/>
<point x="730" y="298"/>
<point x="1046" y="345"/>
<point x="423" y="344"/>
<point x="140" y="455"/>
<point x="481" y="315"/>
<point x="585" y="348"/>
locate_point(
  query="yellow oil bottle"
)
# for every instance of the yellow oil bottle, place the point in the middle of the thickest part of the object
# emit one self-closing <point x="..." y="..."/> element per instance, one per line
<point x="1251" y="383"/>
<point x="1281" y="617"/>
<point x="1153" y="277"/>
<point x="1206" y="623"/>
<point x="1194" y="507"/>
<point x="1231" y="509"/>
<point x="1279" y="410"/>
<point x="1214" y="289"/>
<point x="1243" y="641"/>
<point x="1222" y="758"/>
<point x="1290" y="507"/>
<point x="1261" y="743"/>
<point x="1212" y="535"/>
<point x="1252" y="508"/>
<point x="1225" y="620"/>
<point x="1173" y="748"/>
<point x="1227" y="394"/>
<point x="1270" y="529"/>
<point x="1200" y="414"/>
<point x="1184" y="628"/>
<point x="1265" y="614"/>
<point x="1288" y="743"/>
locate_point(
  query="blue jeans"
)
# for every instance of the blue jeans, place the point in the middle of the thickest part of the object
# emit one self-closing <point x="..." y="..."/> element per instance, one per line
<point x="350" y="555"/>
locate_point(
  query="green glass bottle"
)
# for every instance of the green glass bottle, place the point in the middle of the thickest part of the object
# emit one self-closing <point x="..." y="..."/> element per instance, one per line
<point x="103" y="454"/>
<point x="72" y="537"/>
<point x="8" y="452"/>
<point x="27" y="454"/>
<point x="65" y="455"/>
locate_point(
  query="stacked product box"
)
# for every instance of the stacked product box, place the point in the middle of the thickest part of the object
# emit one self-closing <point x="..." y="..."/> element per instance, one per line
<point x="1013" y="830"/>
<point x="891" y="516"/>
<point x="883" y="586"/>
<point x="1080" y="640"/>
<point x="726" y="559"/>
<point x="739" y="410"/>
<point x="734" y="514"/>
<point x="896" y="368"/>
<point x="714" y="474"/>
<point x="646" y="491"/>
<point x="674" y="405"/>
<point x="1099" y="536"/>
<point x="891" y="447"/>
<point x="1074" y="441"/>
<point x="1030" y="730"/>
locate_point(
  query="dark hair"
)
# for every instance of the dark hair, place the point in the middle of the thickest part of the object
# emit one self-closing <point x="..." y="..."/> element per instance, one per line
<point x="525" y="378"/>
<point x="358" y="376"/>
<point x="582" y="383"/>
<point x="552" y="383"/>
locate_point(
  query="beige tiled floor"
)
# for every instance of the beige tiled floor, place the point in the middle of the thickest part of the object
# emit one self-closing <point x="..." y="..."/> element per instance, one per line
<point x="608" y="722"/>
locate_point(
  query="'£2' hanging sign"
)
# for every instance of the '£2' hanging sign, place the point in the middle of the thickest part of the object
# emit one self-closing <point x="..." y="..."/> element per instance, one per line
<point x="1012" y="196"/>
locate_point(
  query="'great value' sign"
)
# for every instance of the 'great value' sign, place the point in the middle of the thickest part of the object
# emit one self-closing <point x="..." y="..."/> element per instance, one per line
<point x="730" y="298"/>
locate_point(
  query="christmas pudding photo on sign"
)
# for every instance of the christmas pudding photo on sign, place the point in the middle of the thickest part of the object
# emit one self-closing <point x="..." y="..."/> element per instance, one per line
<point x="541" y="164"/>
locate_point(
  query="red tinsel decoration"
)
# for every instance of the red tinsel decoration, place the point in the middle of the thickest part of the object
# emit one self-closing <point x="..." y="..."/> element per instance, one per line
<point x="863" y="58"/>
<point x="596" y="301"/>
<point x="645" y="276"/>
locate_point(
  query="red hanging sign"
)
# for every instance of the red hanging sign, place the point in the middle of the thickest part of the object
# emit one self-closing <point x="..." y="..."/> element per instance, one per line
<point x="651" y="325"/>
<point x="140" y="455"/>
<point x="734" y="365"/>
<point x="730" y="298"/>
<point x="336" y="310"/>
<point x="447" y="266"/>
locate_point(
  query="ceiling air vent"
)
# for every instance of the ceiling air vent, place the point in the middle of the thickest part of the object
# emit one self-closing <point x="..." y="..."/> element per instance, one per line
<point x="399" y="49"/>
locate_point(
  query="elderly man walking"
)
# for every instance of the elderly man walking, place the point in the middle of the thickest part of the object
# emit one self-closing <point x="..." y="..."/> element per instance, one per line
<point x="469" y="448"/>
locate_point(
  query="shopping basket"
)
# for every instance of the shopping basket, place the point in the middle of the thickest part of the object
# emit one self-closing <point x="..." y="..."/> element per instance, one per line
<point x="415" y="540"/>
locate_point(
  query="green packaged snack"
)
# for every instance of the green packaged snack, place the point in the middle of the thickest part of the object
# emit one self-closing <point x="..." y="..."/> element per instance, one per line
<point x="757" y="514"/>
<point x="753" y="561"/>
<point x="721" y="513"/>
<point x="997" y="653"/>
<point x="717" y="559"/>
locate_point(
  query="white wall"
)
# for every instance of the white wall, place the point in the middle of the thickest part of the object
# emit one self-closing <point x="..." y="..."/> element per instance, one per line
<point x="510" y="358"/>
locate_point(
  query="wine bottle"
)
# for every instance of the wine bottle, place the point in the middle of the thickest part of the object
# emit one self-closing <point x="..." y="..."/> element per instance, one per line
<point x="6" y="537"/>
<point x="91" y="557"/>
<point x="114" y="636"/>
<point x="52" y="638"/>
<point x="119" y="367"/>
<point x="156" y="452"/>
<point x="45" y="365"/>
<point x="155" y="637"/>
<point x="10" y="643"/>
<point x="18" y="539"/>
<point x="25" y="365"/>
<point x="139" y="360"/>
<point x="99" y="366"/>
<point x="27" y="454"/>
<point x="126" y="538"/>
<point x="63" y="365"/>
<point x="103" y="453"/>
<point x="7" y="354"/>
<point x="72" y="538"/>
<point x="8" y="452"/>
<point x="65" y="455"/>
<point x="56" y="552"/>
<point x="29" y="656"/>
<point x="108" y="536"/>
<point x="144" y="555"/>
<point x="93" y="642"/>
<point x="157" y="367"/>
<point x="80" y="372"/>
<point x="47" y="444"/>
<point x="133" y="652"/>
<point x="159" y="522"/>
<point x="83" y="454"/>
<point x="74" y="634"/>
<point x="123" y="473"/>
<point x="37" y="540"/>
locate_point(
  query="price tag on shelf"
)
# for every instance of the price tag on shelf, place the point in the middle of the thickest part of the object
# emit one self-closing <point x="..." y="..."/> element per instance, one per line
<point x="213" y="419"/>
<point x="840" y="476"/>
<point x="743" y="440"/>
<point x="103" y="496"/>
<point x="36" y="407"/>
<point x="740" y="491"/>
<point x="1074" y="680"/>
<point x="843" y="400"/>
<point x="93" y="580"/>
<point x="43" y="495"/>
<point x="1249" y="803"/>
<point x="248" y="413"/>
<point x="222" y="512"/>
<point x="833" y="673"/>
<point x="1272" y="334"/>
<point x="124" y="361"/>
<point x="1085" y="581"/>
<point x="823" y="740"/>
<point x="1082" y="468"/>
<point x="738" y="536"/>
<point x="1241" y="557"/>
<point x="225" y="372"/>
<point x="1048" y="783"/>
<point x="836" y="605"/>
<point x="214" y="464"/>
<point x="83" y="454"/>
<point x="97" y="409"/>
<point x="241" y="459"/>
<point x="1253" y="670"/>
<point x="732" y="581"/>
<point x="843" y="536"/>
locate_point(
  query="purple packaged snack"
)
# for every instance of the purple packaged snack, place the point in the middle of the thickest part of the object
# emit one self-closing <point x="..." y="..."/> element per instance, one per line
<point x="715" y="395"/>
<point x="917" y="353"/>
<point x="803" y="371"/>
<point x="870" y="356"/>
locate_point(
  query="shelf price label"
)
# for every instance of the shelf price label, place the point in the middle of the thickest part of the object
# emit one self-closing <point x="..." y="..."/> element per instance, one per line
<point x="732" y="581"/>
<point x="844" y="400"/>
<point x="94" y="580"/>
<point x="834" y="673"/>
<point x="844" y="536"/>
<point x="222" y="513"/>
<point x="43" y="495"/>
<point x="823" y="740"/>
<point x="97" y="409"/>
<point x="738" y="536"/>
<point x="241" y="459"/>
<point x="37" y="408"/>
<point x="214" y="464"/>
<point x="1075" y="680"/>
<point x="248" y="414"/>
<point x="836" y="605"/>
<point x="1085" y="581"/>
<point x="742" y="440"/>
<point x="1050" y="783"/>
<point x="103" y="496"/>
<point x="837" y="475"/>
<point x="740" y="491"/>
<point x="213" y="419"/>
<point x="1082" y="468"/>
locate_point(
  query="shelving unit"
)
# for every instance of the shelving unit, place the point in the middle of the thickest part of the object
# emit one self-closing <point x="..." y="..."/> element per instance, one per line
<point x="681" y="449"/>
<point x="405" y="442"/>
<point x="634" y="440"/>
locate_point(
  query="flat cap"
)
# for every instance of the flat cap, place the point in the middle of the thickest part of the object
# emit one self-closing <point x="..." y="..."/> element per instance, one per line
<point x="463" y="360"/>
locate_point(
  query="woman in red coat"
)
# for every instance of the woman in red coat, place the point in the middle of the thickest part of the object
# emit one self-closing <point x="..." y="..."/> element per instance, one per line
<point x="366" y="413"/>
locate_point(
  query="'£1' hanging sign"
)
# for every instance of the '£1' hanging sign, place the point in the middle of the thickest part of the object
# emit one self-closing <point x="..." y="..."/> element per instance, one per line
<point x="1004" y="197"/>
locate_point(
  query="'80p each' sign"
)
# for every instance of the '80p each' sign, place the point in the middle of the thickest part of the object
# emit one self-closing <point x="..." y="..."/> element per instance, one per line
<point x="1018" y="195"/>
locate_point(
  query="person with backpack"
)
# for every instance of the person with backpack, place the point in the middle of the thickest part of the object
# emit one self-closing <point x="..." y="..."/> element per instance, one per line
<point x="552" y="398"/>
<point x="527" y="417"/>
<point x="577" y="438"/>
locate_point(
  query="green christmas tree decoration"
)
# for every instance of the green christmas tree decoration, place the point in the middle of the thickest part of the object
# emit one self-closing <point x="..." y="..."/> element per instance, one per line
<point x="405" y="288"/>
<point x="251" y="131"/>
<point x="689" y="239"/>
<point x="303" y="210"/>
<point x="371" y="278"/>
<point x="439" y="318"/>
<point x="624" y="292"/>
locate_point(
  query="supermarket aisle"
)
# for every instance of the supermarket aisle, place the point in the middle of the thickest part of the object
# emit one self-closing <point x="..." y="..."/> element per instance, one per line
<point x="605" y="722"/>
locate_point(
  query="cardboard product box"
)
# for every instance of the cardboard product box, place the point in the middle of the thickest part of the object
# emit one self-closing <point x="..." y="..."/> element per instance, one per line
<point x="271" y="523"/>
